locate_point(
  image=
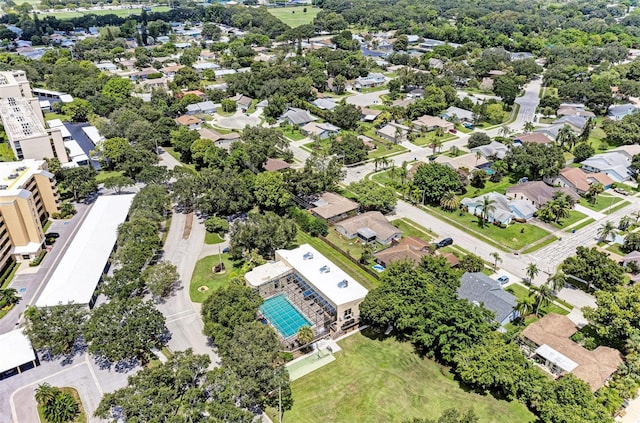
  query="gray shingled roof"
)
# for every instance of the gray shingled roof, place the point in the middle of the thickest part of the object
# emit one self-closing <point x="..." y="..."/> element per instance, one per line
<point x="480" y="288"/>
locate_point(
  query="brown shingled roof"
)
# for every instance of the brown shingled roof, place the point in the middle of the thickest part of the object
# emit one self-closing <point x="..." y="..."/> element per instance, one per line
<point x="594" y="367"/>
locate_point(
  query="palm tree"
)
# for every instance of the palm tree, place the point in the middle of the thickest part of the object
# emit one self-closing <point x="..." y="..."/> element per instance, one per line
<point x="487" y="208"/>
<point x="560" y="208"/>
<point x="543" y="296"/>
<point x="565" y="136"/>
<point x="416" y="194"/>
<point x="45" y="393"/>
<point x="454" y="151"/>
<point x="449" y="201"/>
<point x="636" y="215"/>
<point x="525" y="306"/>
<point x="496" y="259"/>
<point x="625" y="222"/>
<point x="528" y="127"/>
<point x="376" y="163"/>
<point x="305" y="335"/>
<point x="61" y="409"/>
<point x="505" y="131"/>
<point x="402" y="173"/>
<point x="606" y="230"/>
<point x="595" y="189"/>
<point x="532" y="272"/>
<point x="8" y="297"/>
<point x="557" y="281"/>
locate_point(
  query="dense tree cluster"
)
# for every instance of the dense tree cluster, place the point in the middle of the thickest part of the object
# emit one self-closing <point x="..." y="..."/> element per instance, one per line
<point x="422" y="308"/>
<point x="535" y="161"/>
<point x="265" y="233"/>
<point x="595" y="268"/>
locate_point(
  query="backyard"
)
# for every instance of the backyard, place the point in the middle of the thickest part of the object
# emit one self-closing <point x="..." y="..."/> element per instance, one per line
<point x="385" y="380"/>
<point x="294" y="16"/>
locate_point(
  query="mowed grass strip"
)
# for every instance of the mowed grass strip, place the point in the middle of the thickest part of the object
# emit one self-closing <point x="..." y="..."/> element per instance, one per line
<point x="295" y="16"/>
<point x="385" y="381"/>
<point x="204" y="276"/>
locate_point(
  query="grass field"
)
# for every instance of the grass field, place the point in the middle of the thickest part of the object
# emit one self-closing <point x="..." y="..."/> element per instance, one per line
<point x="62" y="14"/>
<point x="294" y="16"/>
<point x="604" y="201"/>
<point x="104" y="174"/>
<point x="574" y="217"/>
<point x="580" y="225"/>
<point x="212" y="238"/>
<point x="203" y="276"/>
<point x="385" y="381"/>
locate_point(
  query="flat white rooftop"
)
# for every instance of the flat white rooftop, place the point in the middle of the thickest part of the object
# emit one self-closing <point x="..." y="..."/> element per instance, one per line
<point x="14" y="175"/>
<point x="19" y="120"/>
<point x="557" y="358"/>
<point x="93" y="134"/>
<point x="78" y="273"/>
<point x="328" y="279"/>
<point x="16" y="350"/>
<point x="266" y="272"/>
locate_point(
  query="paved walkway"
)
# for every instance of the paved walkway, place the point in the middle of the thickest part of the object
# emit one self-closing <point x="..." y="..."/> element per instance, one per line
<point x="591" y="213"/>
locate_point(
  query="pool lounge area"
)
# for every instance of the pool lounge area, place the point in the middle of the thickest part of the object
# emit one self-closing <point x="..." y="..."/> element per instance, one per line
<point x="283" y="315"/>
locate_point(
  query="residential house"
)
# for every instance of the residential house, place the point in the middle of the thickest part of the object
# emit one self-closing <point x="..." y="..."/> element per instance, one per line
<point x="538" y="193"/>
<point x="322" y="130"/>
<point x="369" y="115"/>
<point x="418" y="93"/>
<point x="480" y="289"/>
<point x="533" y="137"/>
<point x="204" y="107"/>
<point x="324" y="103"/>
<point x="404" y="102"/>
<point x="368" y="142"/>
<point x="503" y="209"/>
<point x="632" y="257"/>
<point x="578" y="180"/>
<point x="614" y="164"/>
<point x="486" y="84"/>
<point x="618" y="111"/>
<point x="368" y="227"/>
<point x="393" y="132"/>
<point x="155" y="83"/>
<point x="242" y="101"/>
<point x="429" y="44"/>
<point x="264" y="103"/>
<point x="298" y="117"/>
<point x="170" y="71"/>
<point x="494" y="149"/>
<point x="107" y="67"/>
<point x="628" y="150"/>
<point x="435" y="63"/>
<point x="431" y="123"/>
<point x="333" y="207"/>
<point x="521" y="55"/>
<point x="574" y="110"/>
<point x="408" y="248"/>
<point x="369" y="81"/>
<point x="577" y="123"/>
<point x="469" y="161"/>
<point x="220" y="140"/>
<point x="190" y="122"/>
<point x="547" y="342"/>
<point x="456" y="112"/>
<point x="274" y="165"/>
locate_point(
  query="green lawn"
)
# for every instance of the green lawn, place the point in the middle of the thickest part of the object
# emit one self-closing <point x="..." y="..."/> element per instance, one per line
<point x="337" y="258"/>
<point x="514" y="237"/>
<point x="61" y="116"/>
<point x="574" y="217"/>
<point x="616" y="249"/>
<point x="294" y="16"/>
<point x="410" y="228"/>
<point x="203" y="276"/>
<point x="618" y="206"/>
<point x="104" y="174"/>
<point x="212" y="238"/>
<point x="386" y="381"/>
<point x="429" y="137"/>
<point x="176" y="156"/>
<point x="385" y="149"/>
<point x="6" y="154"/>
<point x="119" y="12"/>
<point x="580" y="225"/>
<point x="500" y="187"/>
<point x="293" y="134"/>
<point x="537" y="246"/>
<point x="604" y="201"/>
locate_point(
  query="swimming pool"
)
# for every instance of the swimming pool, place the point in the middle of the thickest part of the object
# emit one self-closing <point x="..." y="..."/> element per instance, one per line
<point x="283" y="315"/>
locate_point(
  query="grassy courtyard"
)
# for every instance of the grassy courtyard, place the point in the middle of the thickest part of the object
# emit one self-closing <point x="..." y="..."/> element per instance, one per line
<point x="385" y="381"/>
<point x="604" y="201"/>
<point x="294" y="16"/>
<point x="204" y="277"/>
<point x="212" y="238"/>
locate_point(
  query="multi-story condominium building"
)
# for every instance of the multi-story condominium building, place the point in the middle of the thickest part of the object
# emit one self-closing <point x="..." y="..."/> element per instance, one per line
<point x="28" y="196"/>
<point x="24" y="123"/>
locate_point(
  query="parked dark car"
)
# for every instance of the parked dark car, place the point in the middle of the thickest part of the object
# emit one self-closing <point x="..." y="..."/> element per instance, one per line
<point x="52" y="235"/>
<point x="444" y="242"/>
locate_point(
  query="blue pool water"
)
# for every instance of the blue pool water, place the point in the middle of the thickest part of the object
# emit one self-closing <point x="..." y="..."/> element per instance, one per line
<point x="377" y="268"/>
<point x="283" y="315"/>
